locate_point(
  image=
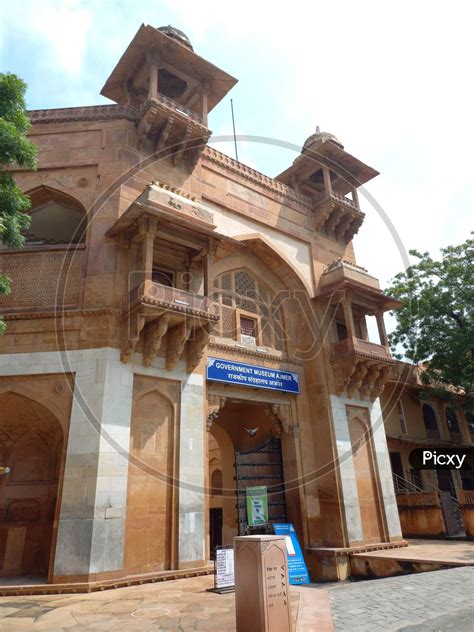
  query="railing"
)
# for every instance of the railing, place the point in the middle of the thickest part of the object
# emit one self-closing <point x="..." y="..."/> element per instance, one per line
<point x="361" y="346"/>
<point x="339" y="199"/>
<point x="176" y="107"/>
<point x="174" y="298"/>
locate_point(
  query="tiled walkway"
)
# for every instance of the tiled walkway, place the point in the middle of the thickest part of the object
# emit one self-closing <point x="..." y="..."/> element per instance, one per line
<point x="396" y="603"/>
<point x="175" y="606"/>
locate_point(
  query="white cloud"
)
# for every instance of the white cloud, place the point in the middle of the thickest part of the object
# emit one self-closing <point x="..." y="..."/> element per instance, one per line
<point x="62" y="26"/>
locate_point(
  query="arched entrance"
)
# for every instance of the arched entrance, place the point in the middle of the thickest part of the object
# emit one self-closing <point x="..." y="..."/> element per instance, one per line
<point x="244" y="450"/>
<point x="31" y="446"/>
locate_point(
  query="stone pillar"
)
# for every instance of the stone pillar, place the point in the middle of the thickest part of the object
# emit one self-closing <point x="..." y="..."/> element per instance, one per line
<point x="262" y="599"/>
<point x="355" y="197"/>
<point x="147" y="230"/>
<point x="93" y="506"/>
<point x="192" y="468"/>
<point x="153" y="59"/>
<point x="327" y="181"/>
<point x="381" y="328"/>
<point x="349" y="318"/>
<point x="206" y="86"/>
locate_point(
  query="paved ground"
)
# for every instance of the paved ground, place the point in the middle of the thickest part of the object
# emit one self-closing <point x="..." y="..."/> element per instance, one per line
<point x="436" y="601"/>
<point x="427" y="602"/>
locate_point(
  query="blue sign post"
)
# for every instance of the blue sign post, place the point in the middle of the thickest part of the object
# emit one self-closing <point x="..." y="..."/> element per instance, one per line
<point x="297" y="571"/>
<point x="231" y="372"/>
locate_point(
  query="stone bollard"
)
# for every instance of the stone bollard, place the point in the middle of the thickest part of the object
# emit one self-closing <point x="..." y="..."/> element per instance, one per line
<point x="262" y="599"/>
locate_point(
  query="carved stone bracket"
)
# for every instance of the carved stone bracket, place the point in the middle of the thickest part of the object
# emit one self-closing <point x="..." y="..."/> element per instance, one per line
<point x="177" y="339"/>
<point x="197" y="345"/>
<point x="283" y="414"/>
<point x="214" y="404"/>
<point x="131" y="335"/>
<point x="363" y="377"/>
<point x="154" y="334"/>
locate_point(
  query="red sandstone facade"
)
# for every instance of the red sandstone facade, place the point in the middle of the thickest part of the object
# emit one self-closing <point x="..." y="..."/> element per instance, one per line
<point x="150" y="252"/>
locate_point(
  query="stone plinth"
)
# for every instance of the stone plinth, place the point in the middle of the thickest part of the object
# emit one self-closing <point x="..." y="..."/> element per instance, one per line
<point x="261" y="584"/>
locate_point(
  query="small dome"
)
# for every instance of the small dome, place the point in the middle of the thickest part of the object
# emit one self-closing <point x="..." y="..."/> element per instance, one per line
<point x="318" y="137"/>
<point x="176" y="34"/>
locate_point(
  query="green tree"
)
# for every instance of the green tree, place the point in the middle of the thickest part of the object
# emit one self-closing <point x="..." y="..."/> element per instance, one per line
<point x="436" y="324"/>
<point x="15" y="150"/>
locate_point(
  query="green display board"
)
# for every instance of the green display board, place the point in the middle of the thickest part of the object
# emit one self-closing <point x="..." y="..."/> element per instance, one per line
<point x="257" y="505"/>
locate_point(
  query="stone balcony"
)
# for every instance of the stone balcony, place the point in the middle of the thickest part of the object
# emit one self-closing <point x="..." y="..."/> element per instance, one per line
<point x="360" y="347"/>
<point x="338" y="216"/>
<point x="362" y="368"/>
<point x="180" y="320"/>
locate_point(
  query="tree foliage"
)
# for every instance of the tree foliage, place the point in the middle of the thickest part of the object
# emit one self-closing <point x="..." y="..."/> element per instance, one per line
<point x="15" y="151"/>
<point x="436" y="324"/>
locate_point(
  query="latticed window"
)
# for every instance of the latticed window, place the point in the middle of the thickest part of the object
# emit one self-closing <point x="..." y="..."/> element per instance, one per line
<point x="238" y="291"/>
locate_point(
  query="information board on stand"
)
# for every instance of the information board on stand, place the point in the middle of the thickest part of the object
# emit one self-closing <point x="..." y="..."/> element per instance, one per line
<point x="224" y="577"/>
<point x="297" y="570"/>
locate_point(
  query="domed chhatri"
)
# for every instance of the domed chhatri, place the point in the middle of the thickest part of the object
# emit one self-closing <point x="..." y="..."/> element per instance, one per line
<point x="319" y="137"/>
<point x="176" y="34"/>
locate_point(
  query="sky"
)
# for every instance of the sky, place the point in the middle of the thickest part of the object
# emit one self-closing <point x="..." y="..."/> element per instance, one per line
<point x="392" y="80"/>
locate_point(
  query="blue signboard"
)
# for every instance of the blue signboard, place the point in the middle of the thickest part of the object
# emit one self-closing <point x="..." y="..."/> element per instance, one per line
<point x="297" y="571"/>
<point x="230" y="372"/>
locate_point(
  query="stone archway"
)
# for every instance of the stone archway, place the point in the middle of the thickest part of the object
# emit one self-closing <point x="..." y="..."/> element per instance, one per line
<point x="32" y="446"/>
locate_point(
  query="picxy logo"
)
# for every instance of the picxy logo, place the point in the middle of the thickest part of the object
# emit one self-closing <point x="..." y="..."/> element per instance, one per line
<point x="435" y="458"/>
<point x="446" y="459"/>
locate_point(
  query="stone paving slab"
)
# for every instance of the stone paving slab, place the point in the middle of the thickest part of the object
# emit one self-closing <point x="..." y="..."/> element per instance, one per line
<point x="393" y="603"/>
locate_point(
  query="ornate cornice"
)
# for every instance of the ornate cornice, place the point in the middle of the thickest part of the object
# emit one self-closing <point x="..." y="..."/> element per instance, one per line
<point x="260" y="355"/>
<point x="61" y="314"/>
<point x="86" y="113"/>
<point x="276" y="187"/>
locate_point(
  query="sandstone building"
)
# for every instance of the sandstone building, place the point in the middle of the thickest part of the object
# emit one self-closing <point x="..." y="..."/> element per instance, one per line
<point x="182" y="327"/>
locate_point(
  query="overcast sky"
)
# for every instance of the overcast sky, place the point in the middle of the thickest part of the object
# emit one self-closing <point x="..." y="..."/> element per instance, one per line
<point x="393" y="81"/>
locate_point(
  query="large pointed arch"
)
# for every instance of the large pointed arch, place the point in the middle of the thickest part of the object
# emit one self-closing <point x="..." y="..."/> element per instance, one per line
<point x="56" y="218"/>
<point x="276" y="261"/>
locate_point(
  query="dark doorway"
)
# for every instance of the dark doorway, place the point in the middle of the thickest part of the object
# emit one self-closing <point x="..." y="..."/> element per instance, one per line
<point x="215" y="529"/>
<point x="261" y="465"/>
<point x="397" y="472"/>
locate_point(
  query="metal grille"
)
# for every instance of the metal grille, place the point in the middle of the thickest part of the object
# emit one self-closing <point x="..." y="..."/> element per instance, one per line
<point x="247" y="326"/>
<point x="261" y="465"/>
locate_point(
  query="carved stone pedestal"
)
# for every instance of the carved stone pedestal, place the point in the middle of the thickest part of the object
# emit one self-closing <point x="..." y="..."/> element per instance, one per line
<point x="262" y="600"/>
